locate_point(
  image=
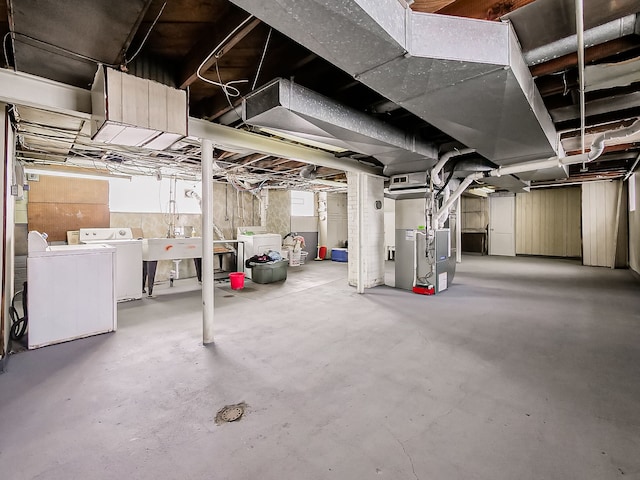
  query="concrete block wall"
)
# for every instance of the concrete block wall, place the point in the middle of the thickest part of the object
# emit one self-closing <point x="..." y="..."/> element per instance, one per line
<point x="373" y="252"/>
<point x="279" y="212"/>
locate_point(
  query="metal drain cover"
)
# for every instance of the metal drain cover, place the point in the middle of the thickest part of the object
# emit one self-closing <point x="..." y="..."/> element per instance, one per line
<point x="230" y="413"/>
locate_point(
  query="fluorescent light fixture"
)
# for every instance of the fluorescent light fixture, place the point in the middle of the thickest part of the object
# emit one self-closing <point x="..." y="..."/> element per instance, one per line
<point x="480" y="191"/>
<point x="129" y="136"/>
<point x="302" y="140"/>
<point x="74" y="173"/>
<point x="163" y="141"/>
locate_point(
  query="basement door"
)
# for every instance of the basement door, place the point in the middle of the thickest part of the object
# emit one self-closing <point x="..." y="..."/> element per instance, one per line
<point x="502" y="225"/>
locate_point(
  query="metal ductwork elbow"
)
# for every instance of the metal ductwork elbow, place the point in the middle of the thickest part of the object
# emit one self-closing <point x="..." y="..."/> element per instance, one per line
<point x="309" y="172"/>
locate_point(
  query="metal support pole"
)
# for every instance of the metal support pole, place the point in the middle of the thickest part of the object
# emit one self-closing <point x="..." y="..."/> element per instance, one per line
<point x="207" y="242"/>
<point x="580" y="35"/>
<point x="361" y="235"/>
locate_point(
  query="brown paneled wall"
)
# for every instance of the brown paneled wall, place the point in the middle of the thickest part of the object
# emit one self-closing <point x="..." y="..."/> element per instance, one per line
<point x="59" y="204"/>
<point x="548" y="222"/>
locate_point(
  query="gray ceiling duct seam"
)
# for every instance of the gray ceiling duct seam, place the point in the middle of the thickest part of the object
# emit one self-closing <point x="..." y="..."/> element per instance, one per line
<point x="466" y="77"/>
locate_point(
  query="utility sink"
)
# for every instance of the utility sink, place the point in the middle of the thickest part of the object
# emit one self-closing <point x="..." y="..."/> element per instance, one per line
<point x="171" y="248"/>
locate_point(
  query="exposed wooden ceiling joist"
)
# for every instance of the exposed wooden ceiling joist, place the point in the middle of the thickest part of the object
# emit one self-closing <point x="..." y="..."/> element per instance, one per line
<point x="482" y="9"/>
<point x="430" y="6"/>
<point x="202" y="50"/>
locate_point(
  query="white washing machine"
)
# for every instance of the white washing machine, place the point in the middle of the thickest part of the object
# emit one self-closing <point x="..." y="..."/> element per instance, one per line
<point x="128" y="258"/>
<point x="258" y="244"/>
<point x="71" y="291"/>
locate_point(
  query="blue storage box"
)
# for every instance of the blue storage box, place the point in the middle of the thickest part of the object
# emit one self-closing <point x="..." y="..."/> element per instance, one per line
<point x="340" y="254"/>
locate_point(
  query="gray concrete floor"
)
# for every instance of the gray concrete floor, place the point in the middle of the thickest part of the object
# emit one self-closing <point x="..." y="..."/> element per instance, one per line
<point x="525" y="369"/>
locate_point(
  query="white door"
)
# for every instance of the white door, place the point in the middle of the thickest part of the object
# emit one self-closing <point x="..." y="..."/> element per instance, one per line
<point x="502" y="225"/>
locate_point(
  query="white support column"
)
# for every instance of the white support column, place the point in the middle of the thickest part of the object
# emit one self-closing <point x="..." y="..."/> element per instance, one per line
<point x="7" y="159"/>
<point x="208" y="283"/>
<point x="360" y="235"/>
<point x="459" y="230"/>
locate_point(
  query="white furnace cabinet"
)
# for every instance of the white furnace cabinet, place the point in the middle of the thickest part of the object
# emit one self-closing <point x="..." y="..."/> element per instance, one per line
<point x="71" y="293"/>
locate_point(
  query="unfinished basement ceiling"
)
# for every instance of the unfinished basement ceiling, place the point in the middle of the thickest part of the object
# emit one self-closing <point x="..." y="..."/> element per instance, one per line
<point x="168" y="42"/>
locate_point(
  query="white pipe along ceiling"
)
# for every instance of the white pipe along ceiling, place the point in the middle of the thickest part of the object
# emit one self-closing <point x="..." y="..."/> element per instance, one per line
<point x="597" y="147"/>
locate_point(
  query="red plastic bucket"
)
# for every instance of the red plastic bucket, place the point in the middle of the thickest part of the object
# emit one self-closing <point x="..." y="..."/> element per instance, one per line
<point x="322" y="253"/>
<point x="237" y="280"/>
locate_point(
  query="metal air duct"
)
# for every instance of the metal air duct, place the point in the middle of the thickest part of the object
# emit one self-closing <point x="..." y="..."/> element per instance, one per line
<point x="466" y="77"/>
<point x="132" y="111"/>
<point x="295" y="112"/>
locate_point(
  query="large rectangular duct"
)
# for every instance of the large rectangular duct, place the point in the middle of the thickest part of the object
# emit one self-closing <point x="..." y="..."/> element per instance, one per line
<point x="467" y="77"/>
<point x="295" y="111"/>
<point x="132" y="111"/>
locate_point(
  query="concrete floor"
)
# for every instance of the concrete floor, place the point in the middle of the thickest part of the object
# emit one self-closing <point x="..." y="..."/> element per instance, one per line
<point x="525" y="369"/>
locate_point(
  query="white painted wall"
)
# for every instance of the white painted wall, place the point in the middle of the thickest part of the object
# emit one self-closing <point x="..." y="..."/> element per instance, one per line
<point x="148" y="195"/>
<point x="373" y="258"/>
<point x="603" y="223"/>
<point x="548" y="222"/>
<point x="304" y="224"/>
<point x="302" y="204"/>
<point x="634" y="222"/>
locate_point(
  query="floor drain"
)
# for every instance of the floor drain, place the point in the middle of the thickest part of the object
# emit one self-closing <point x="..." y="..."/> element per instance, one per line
<point x="230" y="413"/>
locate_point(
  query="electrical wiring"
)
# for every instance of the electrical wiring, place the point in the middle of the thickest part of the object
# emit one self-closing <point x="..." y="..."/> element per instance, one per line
<point x="184" y="163"/>
<point x="226" y="91"/>
<point x="444" y="185"/>
<point x="264" y="53"/>
<point x="227" y="87"/>
<point x="144" y="40"/>
<point x="6" y="53"/>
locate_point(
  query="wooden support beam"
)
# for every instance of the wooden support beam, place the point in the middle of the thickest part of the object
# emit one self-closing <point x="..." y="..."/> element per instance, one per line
<point x="199" y="52"/>
<point x="482" y="9"/>
<point x="325" y="171"/>
<point x="430" y="6"/>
